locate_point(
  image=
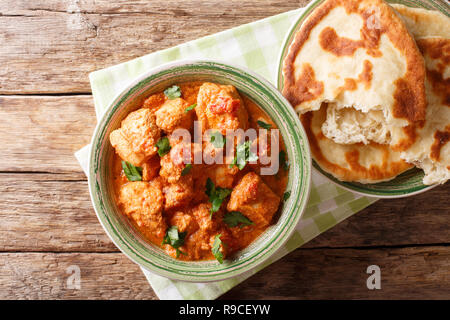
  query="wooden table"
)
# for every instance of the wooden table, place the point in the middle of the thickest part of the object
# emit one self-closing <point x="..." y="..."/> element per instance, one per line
<point x="47" y="223"/>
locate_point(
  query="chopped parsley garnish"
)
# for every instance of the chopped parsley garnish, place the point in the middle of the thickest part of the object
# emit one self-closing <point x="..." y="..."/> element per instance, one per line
<point x="191" y="107"/>
<point x="286" y="195"/>
<point x="216" y="195"/>
<point x="132" y="172"/>
<point x="217" y="139"/>
<point x="175" y="239"/>
<point x="243" y="155"/>
<point x="216" y="248"/>
<point x="173" y="92"/>
<point x="283" y="160"/>
<point x="163" y="145"/>
<point x="235" y="218"/>
<point x="186" y="169"/>
<point x="264" y="125"/>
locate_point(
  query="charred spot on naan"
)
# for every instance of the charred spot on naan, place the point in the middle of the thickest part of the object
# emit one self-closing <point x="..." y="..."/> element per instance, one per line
<point x="437" y="50"/>
<point x="409" y="136"/>
<point x="341" y="46"/>
<point x="364" y="77"/>
<point x="367" y="74"/>
<point x="406" y="102"/>
<point x="440" y="139"/>
<point x="306" y="88"/>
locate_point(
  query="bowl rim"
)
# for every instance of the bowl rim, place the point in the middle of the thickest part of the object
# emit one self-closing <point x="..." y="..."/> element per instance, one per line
<point x="297" y="211"/>
<point x="349" y="186"/>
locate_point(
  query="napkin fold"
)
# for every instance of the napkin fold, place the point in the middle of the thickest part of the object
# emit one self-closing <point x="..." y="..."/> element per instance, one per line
<point x="256" y="46"/>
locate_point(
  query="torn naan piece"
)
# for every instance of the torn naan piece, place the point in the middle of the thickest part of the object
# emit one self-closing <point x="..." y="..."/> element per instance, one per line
<point x="349" y="126"/>
<point x="358" y="54"/>
<point x="431" y="151"/>
<point x="370" y="163"/>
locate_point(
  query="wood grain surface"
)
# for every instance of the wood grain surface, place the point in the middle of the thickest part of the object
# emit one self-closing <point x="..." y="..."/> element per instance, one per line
<point x="47" y="223"/>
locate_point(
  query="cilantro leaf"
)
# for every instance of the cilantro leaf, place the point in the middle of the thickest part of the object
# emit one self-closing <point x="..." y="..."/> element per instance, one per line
<point x="173" y="92"/>
<point x="243" y="155"/>
<point x="216" y="203"/>
<point x="191" y="107"/>
<point x="210" y="188"/>
<point x="186" y="169"/>
<point x="235" y="218"/>
<point x="218" y="140"/>
<point x="216" y="195"/>
<point x="132" y="172"/>
<point x="222" y="193"/>
<point x="175" y="239"/>
<point x="286" y="195"/>
<point x="264" y="125"/>
<point x="216" y="249"/>
<point x="282" y="157"/>
<point x="163" y="145"/>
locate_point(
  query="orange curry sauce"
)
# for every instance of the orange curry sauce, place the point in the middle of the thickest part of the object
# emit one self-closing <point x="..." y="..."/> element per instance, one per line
<point x="184" y="202"/>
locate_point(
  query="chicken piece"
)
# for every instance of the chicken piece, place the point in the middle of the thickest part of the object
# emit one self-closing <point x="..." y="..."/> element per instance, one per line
<point x="173" y="163"/>
<point x="169" y="170"/>
<point x="198" y="245"/>
<point x="185" y="222"/>
<point x="202" y="214"/>
<point x="179" y="193"/>
<point x="189" y="91"/>
<point x="229" y="243"/>
<point x="154" y="101"/>
<point x="143" y="202"/>
<point x="199" y="186"/>
<point x="150" y="169"/>
<point x="220" y="107"/>
<point x="253" y="198"/>
<point x="267" y="155"/>
<point x="222" y="175"/>
<point x="172" y="115"/>
<point x="135" y="141"/>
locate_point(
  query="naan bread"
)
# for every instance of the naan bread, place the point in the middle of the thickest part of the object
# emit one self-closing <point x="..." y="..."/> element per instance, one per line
<point x="348" y="125"/>
<point x="369" y="163"/>
<point x="358" y="53"/>
<point x="431" y="151"/>
<point x="424" y="23"/>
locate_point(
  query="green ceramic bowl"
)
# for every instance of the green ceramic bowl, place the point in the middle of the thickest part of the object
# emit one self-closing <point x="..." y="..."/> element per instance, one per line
<point x="408" y="183"/>
<point x="129" y="240"/>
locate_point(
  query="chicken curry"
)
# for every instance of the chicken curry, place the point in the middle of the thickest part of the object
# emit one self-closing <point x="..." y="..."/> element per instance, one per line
<point x="197" y="211"/>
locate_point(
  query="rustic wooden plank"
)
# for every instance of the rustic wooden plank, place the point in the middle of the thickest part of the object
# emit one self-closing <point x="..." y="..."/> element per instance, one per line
<point x="40" y="213"/>
<point x="423" y="218"/>
<point x="51" y="46"/>
<point x="45" y="275"/>
<point x="42" y="133"/>
<point x="406" y="273"/>
<point x="206" y="8"/>
<point x="52" y="212"/>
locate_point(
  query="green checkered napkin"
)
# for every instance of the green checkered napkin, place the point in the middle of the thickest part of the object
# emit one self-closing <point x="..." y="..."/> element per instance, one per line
<point x="255" y="46"/>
